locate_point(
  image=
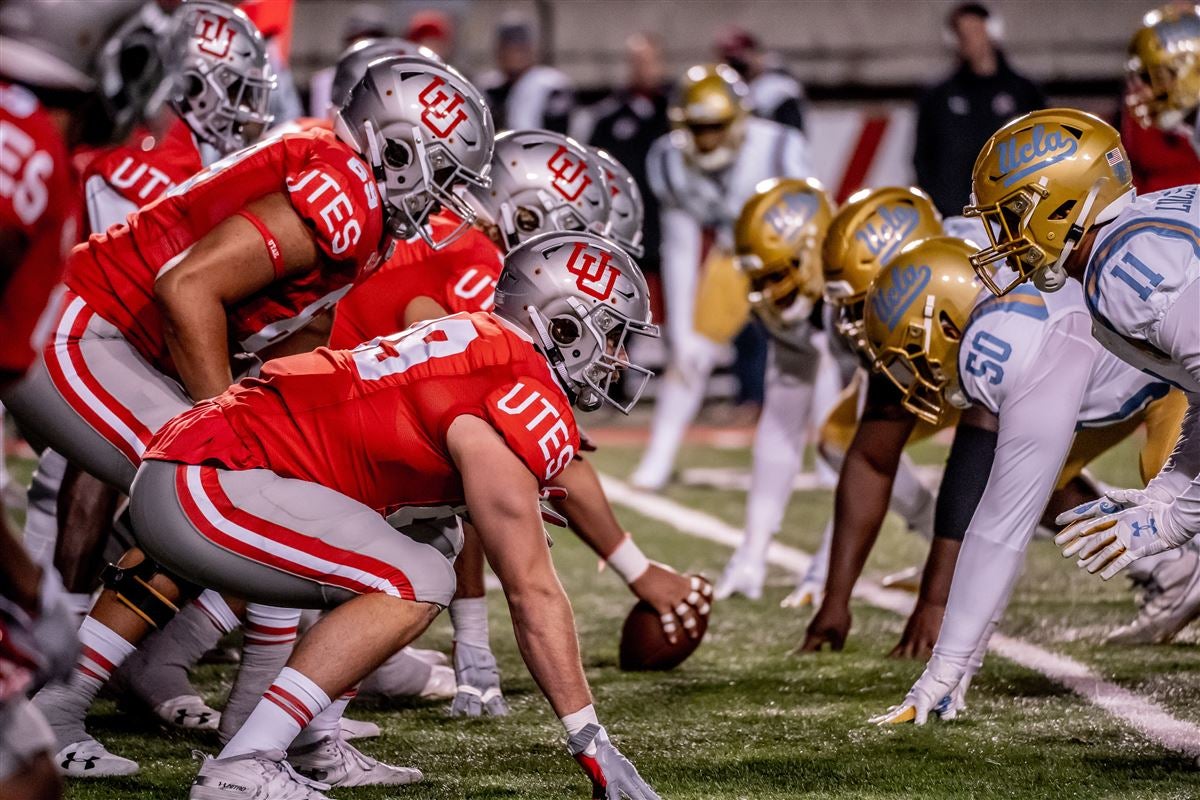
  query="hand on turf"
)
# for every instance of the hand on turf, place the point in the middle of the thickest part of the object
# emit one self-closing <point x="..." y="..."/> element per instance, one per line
<point x="829" y="626"/>
<point x="939" y="691"/>
<point x="921" y="632"/>
<point x="478" y="683"/>
<point x="680" y="600"/>
<point x="1114" y="534"/>
<point x="613" y="776"/>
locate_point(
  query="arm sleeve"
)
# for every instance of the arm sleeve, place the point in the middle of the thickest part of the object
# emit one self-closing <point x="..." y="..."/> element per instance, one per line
<point x="1037" y="426"/>
<point x="964" y="480"/>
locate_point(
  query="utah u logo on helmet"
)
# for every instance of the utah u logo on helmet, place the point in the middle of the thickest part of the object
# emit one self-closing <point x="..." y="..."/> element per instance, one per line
<point x="570" y="176"/>
<point x="215" y="35"/>
<point x="594" y="276"/>
<point x="441" y="110"/>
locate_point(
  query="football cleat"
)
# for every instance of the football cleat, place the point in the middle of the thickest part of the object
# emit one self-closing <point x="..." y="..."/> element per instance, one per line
<point x="253" y="776"/>
<point x="1170" y="599"/>
<point x="435" y="658"/>
<point x="807" y="593"/>
<point x="906" y="580"/>
<point x="359" y="729"/>
<point x="89" y="759"/>
<point x="188" y="712"/>
<point x="335" y="762"/>
<point x="742" y="577"/>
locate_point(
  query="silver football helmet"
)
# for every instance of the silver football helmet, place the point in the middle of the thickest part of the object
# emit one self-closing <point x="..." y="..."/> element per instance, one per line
<point x="352" y="63"/>
<point x="426" y="131"/>
<point x="628" y="210"/>
<point x="581" y="298"/>
<point x="130" y="70"/>
<point x="220" y="73"/>
<point x="54" y="43"/>
<point x="542" y="181"/>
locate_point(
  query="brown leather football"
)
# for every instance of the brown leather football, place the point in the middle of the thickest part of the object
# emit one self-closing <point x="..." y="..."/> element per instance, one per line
<point x="644" y="646"/>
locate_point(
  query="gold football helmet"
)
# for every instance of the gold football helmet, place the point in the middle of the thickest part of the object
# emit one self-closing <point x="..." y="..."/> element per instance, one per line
<point x="777" y="241"/>
<point x="1163" y="70"/>
<point x="916" y="312"/>
<point x="708" y="113"/>
<point x="1039" y="184"/>
<point x="864" y="235"/>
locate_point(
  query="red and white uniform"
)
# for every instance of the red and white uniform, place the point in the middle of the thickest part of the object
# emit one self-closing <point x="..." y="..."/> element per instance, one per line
<point x="459" y="278"/>
<point x="371" y="422"/>
<point x="329" y="186"/>
<point x="39" y="210"/>
<point x="119" y="180"/>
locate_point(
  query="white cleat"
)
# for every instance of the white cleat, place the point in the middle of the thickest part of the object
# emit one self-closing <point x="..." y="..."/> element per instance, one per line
<point x="334" y="761"/>
<point x="188" y="712"/>
<point x="906" y="580"/>
<point x="89" y="759"/>
<point x="1170" y="600"/>
<point x="253" y="776"/>
<point x="807" y="593"/>
<point x="441" y="685"/>
<point x="643" y="481"/>
<point x="359" y="729"/>
<point x="741" y="577"/>
<point x="435" y="658"/>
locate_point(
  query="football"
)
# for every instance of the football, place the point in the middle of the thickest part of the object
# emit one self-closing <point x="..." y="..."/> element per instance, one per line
<point x="645" y="647"/>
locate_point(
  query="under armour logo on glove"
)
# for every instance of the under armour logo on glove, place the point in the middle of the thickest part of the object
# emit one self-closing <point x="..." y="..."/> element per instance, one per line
<point x="1109" y="542"/>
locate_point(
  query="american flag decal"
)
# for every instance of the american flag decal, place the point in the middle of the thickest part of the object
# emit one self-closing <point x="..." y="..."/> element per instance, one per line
<point x="1113" y="157"/>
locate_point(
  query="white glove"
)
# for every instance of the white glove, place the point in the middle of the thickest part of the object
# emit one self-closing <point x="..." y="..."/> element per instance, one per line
<point x="941" y="689"/>
<point x="478" y="678"/>
<point x="613" y="776"/>
<point x="1113" y="534"/>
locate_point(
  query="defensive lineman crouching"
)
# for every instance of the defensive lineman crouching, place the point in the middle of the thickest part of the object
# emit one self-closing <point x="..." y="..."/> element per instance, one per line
<point x="274" y="491"/>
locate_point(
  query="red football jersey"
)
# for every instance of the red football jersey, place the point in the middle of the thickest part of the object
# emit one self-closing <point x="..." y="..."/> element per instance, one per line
<point x="39" y="212"/>
<point x="329" y="186"/>
<point x="460" y="278"/>
<point x="119" y="180"/>
<point x="371" y="422"/>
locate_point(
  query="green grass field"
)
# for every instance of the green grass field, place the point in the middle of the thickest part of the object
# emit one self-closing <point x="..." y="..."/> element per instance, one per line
<point x="745" y="718"/>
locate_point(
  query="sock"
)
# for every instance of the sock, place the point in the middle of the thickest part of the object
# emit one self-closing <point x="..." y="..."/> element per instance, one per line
<point x="218" y="611"/>
<point x="913" y="500"/>
<point x="818" y="568"/>
<point x="327" y="723"/>
<point x="101" y="650"/>
<point x="158" y="672"/>
<point x="469" y="617"/>
<point x="677" y="404"/>
<point x="41" y="513"/>
<point x="270" y="637"/>
<point x="289" y="704"/>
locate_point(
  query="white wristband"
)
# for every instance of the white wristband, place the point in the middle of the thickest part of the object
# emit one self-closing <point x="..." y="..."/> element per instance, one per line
<point x="578" y="720"/>
<point x="628" y="560"/>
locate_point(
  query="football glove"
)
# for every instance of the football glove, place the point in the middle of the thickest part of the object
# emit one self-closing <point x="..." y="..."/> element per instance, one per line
<point x="478" y="683"/>
<point x="940" y="690"/>
<point x="1108" y="534"/>
<point x="613" y="776"/>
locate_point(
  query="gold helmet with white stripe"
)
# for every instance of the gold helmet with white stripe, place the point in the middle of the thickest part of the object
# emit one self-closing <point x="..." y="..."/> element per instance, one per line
<point x="708" y="113"/>
<point x="915" y="316"/>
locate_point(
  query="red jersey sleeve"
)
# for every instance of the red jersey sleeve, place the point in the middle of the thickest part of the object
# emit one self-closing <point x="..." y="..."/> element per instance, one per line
<point x="537" y="424"/>
<point x="333" y="192"/>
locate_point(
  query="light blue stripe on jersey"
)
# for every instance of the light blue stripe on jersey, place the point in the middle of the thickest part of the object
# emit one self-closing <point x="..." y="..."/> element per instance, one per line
<point x="1142" y="398"/>
<point x="1025" y="299"/>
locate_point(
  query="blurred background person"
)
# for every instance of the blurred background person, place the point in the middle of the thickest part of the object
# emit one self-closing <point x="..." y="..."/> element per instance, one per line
<point x="774" y="92"/>
<point x="521" y="92"/>
<point x="362" y="21"/>
<point x="955" y="117"/>
<point x="629" y="120"/>
<point x="433" y="29"/>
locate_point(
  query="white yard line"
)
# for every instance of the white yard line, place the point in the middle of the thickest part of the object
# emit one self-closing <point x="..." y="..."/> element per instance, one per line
<point x="1140" y="713"/>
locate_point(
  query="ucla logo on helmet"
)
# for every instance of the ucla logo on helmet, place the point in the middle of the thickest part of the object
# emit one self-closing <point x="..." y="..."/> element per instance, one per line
<point x="790" y="214"/>
<point x="1027" y="151"/>
<point x="887" y="229"/>
<point x="908" y="281"/>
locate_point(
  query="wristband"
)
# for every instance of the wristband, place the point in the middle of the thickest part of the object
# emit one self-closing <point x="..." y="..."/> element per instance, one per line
<point x="578" y="720"/>
<point x="628" y="560"/>
<point x="268" y="239"/>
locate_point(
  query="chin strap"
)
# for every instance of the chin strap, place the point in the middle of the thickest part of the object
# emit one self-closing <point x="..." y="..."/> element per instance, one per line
<point x="1056" y="274"/>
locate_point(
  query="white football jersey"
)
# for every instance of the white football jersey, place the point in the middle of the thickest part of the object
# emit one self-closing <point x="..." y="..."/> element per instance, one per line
<point x="1004" y="334"/>
<point x="1140" y="264"/>
<point x="714" y="199"/>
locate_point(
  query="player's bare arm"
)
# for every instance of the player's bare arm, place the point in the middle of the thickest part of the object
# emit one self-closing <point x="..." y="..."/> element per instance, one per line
<point x="229" y="264"/>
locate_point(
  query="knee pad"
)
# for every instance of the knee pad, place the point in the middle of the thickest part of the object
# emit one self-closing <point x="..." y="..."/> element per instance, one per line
<point x="132" y="587"/>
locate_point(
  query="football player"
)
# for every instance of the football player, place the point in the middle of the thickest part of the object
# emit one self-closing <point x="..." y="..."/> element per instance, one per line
<point x="702" y="173"/>
<point x="777" y="245"/>
<point x="541" y="182"/>
<point x="56" y="93"/>
<point x="942" y="342"/>
<point x="1057" y="185"/>
<point x="241" y="258"/>
<point x="217" y="104"/>
<point x="277" y="490"/>
<point x="1163" y="71"/>
<point x="866" y="232"/>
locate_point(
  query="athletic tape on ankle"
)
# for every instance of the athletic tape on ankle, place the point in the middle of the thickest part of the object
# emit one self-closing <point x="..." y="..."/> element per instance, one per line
<point x="268" y="239"/>
<point x="628" y="560"/>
